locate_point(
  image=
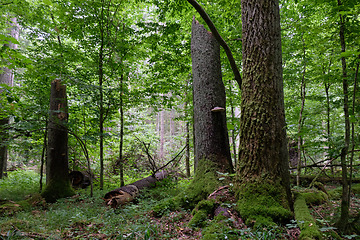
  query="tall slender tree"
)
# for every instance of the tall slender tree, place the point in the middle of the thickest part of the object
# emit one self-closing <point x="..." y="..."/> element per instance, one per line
<point x="345" y="200"/>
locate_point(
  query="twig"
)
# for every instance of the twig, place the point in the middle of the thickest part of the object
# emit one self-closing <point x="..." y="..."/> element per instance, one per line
<point x="170" y="160"/>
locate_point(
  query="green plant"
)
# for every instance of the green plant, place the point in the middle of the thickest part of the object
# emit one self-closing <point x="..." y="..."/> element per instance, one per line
<point x="19" y="184"/>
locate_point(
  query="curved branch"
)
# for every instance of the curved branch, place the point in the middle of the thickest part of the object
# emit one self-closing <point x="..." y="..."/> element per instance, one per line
<point x="217" y="36"/>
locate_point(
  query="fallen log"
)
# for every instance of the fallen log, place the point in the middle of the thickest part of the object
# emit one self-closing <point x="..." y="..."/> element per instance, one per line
<point x="127" y="193"/>
<point x="307" y="179"/>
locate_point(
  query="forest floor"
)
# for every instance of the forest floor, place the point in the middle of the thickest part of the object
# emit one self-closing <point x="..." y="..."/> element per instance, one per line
<point x="85" y="217"/>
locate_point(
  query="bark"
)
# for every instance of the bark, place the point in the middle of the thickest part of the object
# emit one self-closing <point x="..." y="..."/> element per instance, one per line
<point x="101" y="102"/>
<point x="219" y="39"/>
<point x="162" y="134"/>
<point x="57" y="164"/>
<point x="121" y="160"/>
<point x="353" y="142"/>
<point x="127" y="193"/>
<point x="187" y="154"/>
<point x="342" y="224"/>
<point x="211" y="139"/>
<point x="43" y="154"/>
<point x="6" y="77"/>
<point x="263" y="156"/>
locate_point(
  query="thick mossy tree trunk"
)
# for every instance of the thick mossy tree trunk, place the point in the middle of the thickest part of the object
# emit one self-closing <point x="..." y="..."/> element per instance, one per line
<point x="57" y="164"/>
<point x="211" y="139"/>
<point x="264" y="194"/>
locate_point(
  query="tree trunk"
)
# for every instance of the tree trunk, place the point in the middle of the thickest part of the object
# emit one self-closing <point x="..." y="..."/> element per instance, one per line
<point x="187" y="154"/>
<point x="57" y="164"/>
<point x="342" y="224"/>
<point x="263" y="170"/>
<point x="121" y="160"/>
<point x="6" y="77"/>
<point x="233" y="131"/>
<point x="211" y="139"/>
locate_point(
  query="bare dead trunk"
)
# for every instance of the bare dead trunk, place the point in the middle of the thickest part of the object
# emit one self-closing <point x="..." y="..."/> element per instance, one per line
<point x="57" y="164"/>
<point x="211" y="139"/>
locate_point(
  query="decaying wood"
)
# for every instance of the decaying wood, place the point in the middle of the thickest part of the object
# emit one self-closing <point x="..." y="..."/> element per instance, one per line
<point x="127" y="193"/>
<point x="80" y="179"/>
<point x="308" y="179"/>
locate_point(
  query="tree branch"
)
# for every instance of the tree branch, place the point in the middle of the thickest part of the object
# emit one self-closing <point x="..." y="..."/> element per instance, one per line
<point x="220" y="40"/>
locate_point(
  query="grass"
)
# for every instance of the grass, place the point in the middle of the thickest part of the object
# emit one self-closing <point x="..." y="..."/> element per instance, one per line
<point x="19" y="184"/>
<point x="78" y="217"/>
<point x="85" y="217"/>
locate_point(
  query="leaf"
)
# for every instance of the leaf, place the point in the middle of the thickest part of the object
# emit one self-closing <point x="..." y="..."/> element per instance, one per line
<point x="47" y="2"/>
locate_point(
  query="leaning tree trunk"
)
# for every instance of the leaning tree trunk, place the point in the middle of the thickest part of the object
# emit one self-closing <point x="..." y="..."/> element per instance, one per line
<point x="263" y="168"/>
<point x="211" y="139"/>
<point x="6" y="77"/>
<point x="57" y="164"/>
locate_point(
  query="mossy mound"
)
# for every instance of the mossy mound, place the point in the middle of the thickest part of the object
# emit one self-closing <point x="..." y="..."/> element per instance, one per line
<point x="335" y="193"/>
<point x="201" y="213"/>
<point x="220" y="228"/>
<point x="56" y="190"/>
<point x="307" y="224"/>
<point x="315" y="197"/>
<point x="263" y="204"/>
<point x="205" y="181"/>
<point x="355" y="188"/>
<point x="9" y="208"/>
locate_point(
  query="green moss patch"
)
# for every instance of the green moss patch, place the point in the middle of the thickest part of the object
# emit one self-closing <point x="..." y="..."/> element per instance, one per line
<point x="9" y="208"/>
<point x="262" y="204"/>
<point x="220" y="228"/>
<point x="201" y="213"/>
<point x="315" y="197"/>
<point x="205" y="181"/>
<point x="307" y="224"/>
<point x="355" y="188"/>
<point x="57" y="190"/>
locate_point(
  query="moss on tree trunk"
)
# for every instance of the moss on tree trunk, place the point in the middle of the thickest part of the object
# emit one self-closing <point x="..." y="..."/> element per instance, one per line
<point x="263" y="179"/>
<point x="57" y="164"/>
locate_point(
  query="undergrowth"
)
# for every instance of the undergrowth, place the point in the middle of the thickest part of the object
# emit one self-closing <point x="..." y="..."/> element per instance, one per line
<point x="85" y="217"/>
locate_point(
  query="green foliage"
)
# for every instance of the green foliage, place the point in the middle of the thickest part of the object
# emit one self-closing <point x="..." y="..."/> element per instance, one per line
<point x="56" y="190"/>
<point x="19" y="184"/>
